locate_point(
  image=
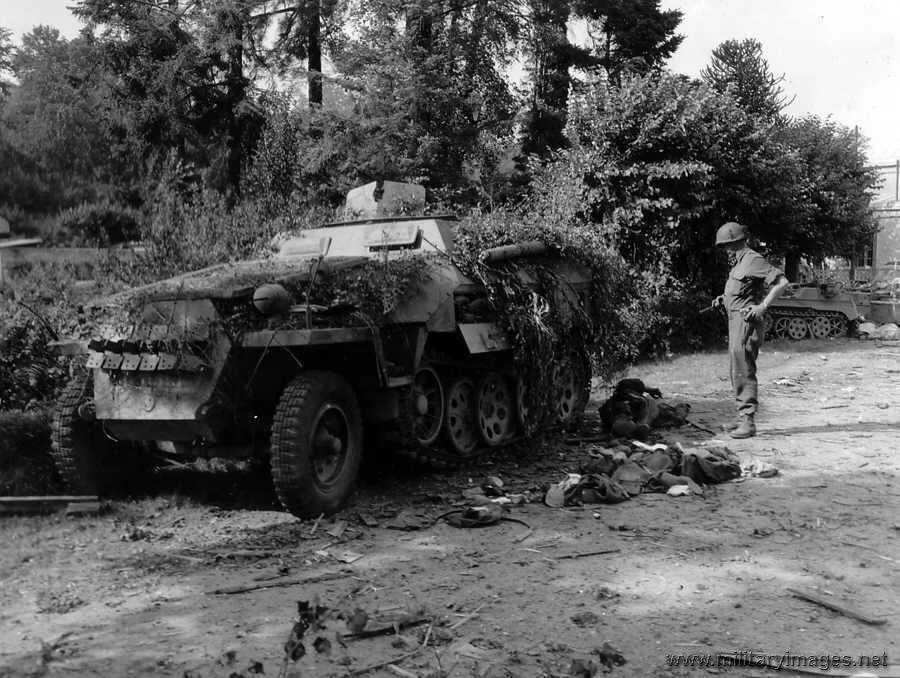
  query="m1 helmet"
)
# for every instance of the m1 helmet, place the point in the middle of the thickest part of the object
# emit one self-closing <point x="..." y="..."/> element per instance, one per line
<point x="731" y="232"/>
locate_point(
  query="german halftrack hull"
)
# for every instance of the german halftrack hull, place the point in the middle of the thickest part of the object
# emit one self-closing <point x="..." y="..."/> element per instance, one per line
<point x="256" y="356"/>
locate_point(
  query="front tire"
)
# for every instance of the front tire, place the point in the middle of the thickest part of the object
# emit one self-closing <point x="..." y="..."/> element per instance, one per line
<point x="316" y="444"/>
<point x="78" y="446"/>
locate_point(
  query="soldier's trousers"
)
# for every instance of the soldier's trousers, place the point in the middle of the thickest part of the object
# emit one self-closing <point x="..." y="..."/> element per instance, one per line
<point x="744" y="340"/>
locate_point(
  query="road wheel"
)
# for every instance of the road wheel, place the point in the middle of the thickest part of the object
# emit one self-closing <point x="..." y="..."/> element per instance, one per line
<point x="78" y="445"/>
<point x="820" y="327"/>
<point x="840" y="326"/>
<point x="781" y="327"/>
<point x="523" y="411"/>
<point x="797" y="328"/>
<point x="572" y="381"/>
<point x="426" y="405"/>
<point x="316" y="444"/>
<point x="460" y="428"/>
<point x="496" y="409"/>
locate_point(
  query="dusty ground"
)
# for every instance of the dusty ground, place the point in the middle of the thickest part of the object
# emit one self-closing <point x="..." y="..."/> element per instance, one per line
<point x="127" y="593"/>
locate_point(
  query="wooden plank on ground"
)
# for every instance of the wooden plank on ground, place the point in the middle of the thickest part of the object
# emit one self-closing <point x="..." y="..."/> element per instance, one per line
<point x="32" y="505"/>
<point x="826" y="601"/>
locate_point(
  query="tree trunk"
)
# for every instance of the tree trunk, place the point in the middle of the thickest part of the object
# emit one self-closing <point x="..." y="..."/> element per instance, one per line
<point x="792" y="266"/>
<point x="314" y="49"/>
<point x="419" y="26"/>
<point x="237" y="87"/>
<point x="551" y="61"/>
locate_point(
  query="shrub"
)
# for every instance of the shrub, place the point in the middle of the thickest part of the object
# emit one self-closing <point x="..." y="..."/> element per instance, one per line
<point x="25" y="463"/>
<point x="100" y="224"/>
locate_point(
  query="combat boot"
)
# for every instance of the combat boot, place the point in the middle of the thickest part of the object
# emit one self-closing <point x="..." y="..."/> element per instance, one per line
<point x="745" y="429"/>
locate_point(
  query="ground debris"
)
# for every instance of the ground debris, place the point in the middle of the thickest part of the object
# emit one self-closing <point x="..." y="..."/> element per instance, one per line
<point x="309" y="616"/>
<point x="825" y="601"/>
<point x="408" y="520"/>
<point x="386" y="630"/>
<point x="758" y="469"/>
<point x="584" y="619"/>
<point x="274" y="583"/>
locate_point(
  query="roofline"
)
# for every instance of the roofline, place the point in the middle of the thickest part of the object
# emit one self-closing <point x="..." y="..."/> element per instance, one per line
<point x="382" y="220"/>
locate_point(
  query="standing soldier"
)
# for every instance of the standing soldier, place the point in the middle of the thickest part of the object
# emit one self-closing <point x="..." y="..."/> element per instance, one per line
<point x="746" y="302"/>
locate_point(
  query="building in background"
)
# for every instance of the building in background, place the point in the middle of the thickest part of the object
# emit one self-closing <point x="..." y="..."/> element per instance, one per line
<point x="886" y="206"/>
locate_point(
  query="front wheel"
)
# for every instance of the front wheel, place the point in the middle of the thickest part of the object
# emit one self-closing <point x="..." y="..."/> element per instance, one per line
<point x="316" y="444"/>
<point x="79" y="447"/>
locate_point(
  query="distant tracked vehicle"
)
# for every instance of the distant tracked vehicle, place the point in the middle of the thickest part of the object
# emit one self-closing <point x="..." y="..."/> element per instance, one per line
<point x="811" y="310"/>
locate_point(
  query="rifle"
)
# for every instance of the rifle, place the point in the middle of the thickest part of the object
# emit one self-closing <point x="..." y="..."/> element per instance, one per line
<point x="708" y="309"/>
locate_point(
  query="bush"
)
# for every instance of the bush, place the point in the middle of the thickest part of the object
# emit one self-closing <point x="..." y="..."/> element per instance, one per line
<point x="189" y="229"/>
<point x="30" y="372"/>
<point x="38" y="304"/>
<point x="100" y="224"/>
<point x="25" y="463"/>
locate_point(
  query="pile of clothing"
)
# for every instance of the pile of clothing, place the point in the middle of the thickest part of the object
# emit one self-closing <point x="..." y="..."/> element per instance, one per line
<point x="613" y="476"/>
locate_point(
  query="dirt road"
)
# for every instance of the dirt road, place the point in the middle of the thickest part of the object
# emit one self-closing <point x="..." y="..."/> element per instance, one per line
<point x="127" y="593"/>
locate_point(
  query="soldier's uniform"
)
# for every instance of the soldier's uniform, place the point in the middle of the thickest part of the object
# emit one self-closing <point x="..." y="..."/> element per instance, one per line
<point x="748" y="283"/>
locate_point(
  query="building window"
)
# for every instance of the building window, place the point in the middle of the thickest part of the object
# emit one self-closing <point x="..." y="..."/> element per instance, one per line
<point x="863" y="258"/>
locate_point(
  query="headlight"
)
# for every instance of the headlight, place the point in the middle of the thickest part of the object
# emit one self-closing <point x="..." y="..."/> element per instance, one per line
<point x="271" y="299"/>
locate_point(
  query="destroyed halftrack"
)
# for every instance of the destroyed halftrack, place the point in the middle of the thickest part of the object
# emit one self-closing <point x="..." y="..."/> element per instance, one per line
<point x="246" y="359"/>
<point x="815" y="310"/>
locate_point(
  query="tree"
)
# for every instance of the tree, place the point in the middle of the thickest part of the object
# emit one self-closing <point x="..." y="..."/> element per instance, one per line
<point x="179" y="82"/>
<point x="658" y="163"/>
<point x="54" y="117"/>
<point x="303" y="28"/>
<point x="551" y="57"/>
<point x="830" y="215"/>
<point x="423" y="90"/>
<point x="634" y="36"/>
<point x="7" y="50"/>
<point x="741" y="66"/>
<point x="631" y="36"/>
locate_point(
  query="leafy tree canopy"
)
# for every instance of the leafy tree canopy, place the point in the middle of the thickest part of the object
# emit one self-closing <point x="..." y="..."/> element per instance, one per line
<point x="830" y="211"/>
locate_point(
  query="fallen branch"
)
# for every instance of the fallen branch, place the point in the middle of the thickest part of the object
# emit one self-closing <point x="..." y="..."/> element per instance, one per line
<point x="819" y="599"/>
<point x="386" y="630"/>
<point x="699" y="427"/>
<point x="191" y="559"/>
<point x="866" y="548"/>
<point x="381" y="665"/>
<point x="586" y="554"/>
<point x="468" y="617"/>
<point x="325" y="576"/>
<point x="318" y="520"/>
<point x="521" y="522"/>
<point x="246" y="554"/>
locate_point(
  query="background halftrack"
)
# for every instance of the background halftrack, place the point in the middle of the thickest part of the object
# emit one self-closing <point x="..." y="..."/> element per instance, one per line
<point x="242" y="359"/>
<point x="811" y="310"/>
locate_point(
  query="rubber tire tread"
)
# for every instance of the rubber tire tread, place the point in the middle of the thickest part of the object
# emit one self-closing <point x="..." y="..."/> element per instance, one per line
<point x="292" y="475"/>
<point x="74" y="462"/>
